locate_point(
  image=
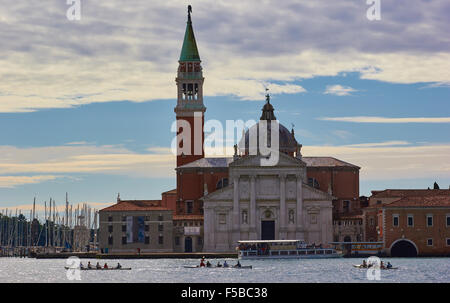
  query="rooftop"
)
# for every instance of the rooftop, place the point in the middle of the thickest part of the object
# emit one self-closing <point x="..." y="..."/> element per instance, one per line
<point x="172" y="191"/>
<point x="394" y="193"/>
<point x="326" y="162"/>
<point x="423" y="201"/>
<point x="310" y="162"/>
<point x="136" y="205"/>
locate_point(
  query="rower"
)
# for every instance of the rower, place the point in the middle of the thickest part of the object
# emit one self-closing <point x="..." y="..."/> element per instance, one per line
<point x="389" y="265"/>
<point x="225" y="264"/>
<point x="238" y="264"/>
<point x="382" y="265"/>
<point x="81" y="265"/>
<point x="98" y="266"/>
<point x="89" y="265"/>
<point x="364" y="264"/>
<point x="208" y="264"/>
<point x="119" y="266"/>
<point x="105" y="266"/>
<point x="202" y="264"/>
<point x="218" y="264"/>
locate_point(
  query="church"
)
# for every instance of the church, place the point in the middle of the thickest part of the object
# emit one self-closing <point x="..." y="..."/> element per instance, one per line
<point x="238" y="197"/>
<point x="219" y="201"/>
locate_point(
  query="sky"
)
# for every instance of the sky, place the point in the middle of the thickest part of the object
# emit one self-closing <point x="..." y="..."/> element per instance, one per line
<point x="86" y="106"/>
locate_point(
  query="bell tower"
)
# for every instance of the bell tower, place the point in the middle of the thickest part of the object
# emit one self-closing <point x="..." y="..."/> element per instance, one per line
<point x="190" y="108"/>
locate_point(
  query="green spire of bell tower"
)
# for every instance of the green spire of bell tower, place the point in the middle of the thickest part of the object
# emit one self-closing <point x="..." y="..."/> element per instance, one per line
<point x="189" y="52"/>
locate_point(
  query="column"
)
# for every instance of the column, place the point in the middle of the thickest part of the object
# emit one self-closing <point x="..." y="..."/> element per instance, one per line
<point x="252" y="212"/>
<point x="299" y="223"/>
<point x="283" y="230"/>
<point x="236" y="218"/>
<point x="209" y="229"/>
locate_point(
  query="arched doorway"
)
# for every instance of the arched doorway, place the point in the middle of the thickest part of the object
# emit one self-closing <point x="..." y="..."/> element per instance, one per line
<point x="188" y="244"/>
<point x="403" y="248"/>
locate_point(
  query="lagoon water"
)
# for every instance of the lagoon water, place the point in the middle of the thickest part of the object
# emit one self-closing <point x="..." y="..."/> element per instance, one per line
<point x="272" y="271"/>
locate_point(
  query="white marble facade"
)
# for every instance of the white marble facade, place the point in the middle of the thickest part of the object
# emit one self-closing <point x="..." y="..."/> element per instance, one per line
<point x="272" y="193"/>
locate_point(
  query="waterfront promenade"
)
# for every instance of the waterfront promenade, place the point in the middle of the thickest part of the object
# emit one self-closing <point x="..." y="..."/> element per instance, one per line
<point x="95" y="255"/>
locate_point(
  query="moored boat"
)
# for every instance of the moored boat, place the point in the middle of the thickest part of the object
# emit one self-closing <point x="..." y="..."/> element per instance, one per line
<point x="284" y="249"/>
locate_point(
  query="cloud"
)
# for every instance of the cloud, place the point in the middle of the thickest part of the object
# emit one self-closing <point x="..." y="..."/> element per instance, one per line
<point x="343" y="134"/>
<point x="380" y="144"/>
<point x="13" y="181"/>
<point x="129" y="51"/>
<point x="390" y="160"/>
<point x="88" y="159"/>
<point x="339" y="90"/>
<point x="365" y="119"/>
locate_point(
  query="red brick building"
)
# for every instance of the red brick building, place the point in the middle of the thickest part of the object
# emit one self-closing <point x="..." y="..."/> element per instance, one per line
<point x="409" y="222"/>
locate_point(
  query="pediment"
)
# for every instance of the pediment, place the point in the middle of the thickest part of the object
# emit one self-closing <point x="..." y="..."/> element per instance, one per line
<point x="311" y="193"/>
<point x="223" y="194"/>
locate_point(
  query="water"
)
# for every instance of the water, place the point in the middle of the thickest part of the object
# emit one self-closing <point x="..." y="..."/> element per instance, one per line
<point x="272" y="271"/>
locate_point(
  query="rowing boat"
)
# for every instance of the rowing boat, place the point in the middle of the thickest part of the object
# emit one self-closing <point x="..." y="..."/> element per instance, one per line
<point x="360" y="266"/>
<point x="233" y="267"/>
<point x="93" y="268"/>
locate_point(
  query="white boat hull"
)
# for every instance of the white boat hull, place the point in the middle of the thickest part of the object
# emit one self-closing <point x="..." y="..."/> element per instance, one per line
<point x="332" y="256"/>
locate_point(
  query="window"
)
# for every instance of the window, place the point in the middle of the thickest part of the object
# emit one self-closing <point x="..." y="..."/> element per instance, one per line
<point x="313" y="183"/>
<point x="146" y="227"/>
<point x="161" y="240"/>
<point x="124" y="218"/>
<point x="124" y="240"/>
<point x="448" y="220"/>
<point x="222" y="183"/>
<point x="189" y="207"/>
<point x="160" y="218"/>
<point x="110" y="228"/>
<point x="430" y="242"/>
<point x="199" y="241"/>
<point x="177" y="240"/>
<point x="395" y="220"/>
<point x="124" y="228"/>
<point x="110" y="240"/>
<point x="147" y="240"/>
<point x="448" y="241"/>
<point x="160" y="227"/>
<point x="346" y="206"/>
<point x="379" y="202"/>
<point x="429" y="220"/>
<point x="372" y="222"/>
<point x="110" y="219"/>
<point x="410" y="221"/>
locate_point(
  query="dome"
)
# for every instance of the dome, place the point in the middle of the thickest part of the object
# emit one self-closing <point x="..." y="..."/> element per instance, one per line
<point x="287" y="142"/>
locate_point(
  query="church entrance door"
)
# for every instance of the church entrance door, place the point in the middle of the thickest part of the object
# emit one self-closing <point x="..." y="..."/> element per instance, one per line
<point x="267" y="230"/>
<point x="188" y="244"/>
